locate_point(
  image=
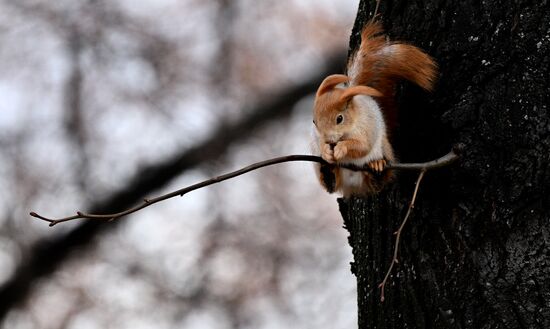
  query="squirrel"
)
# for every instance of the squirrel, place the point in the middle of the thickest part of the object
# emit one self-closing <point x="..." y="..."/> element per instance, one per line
<point x="354" y="114"/>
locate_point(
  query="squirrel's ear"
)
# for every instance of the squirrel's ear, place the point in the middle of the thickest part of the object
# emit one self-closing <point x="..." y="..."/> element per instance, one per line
<point x="360" y="90"/>
<point x="330" y="82"/>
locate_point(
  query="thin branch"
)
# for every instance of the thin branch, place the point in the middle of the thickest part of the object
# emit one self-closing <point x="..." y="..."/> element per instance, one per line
<point x="398" y="234"/>
<point x="375" y="14"/>
<point x="376" y="9"/>
<point x="48" y="253"/>
<point x="443" y="161"/>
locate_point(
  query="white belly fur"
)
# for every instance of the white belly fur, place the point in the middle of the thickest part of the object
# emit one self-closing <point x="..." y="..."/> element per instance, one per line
<point x="354" y="181"/>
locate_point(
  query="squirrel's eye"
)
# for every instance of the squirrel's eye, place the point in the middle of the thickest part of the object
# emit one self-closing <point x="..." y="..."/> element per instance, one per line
<point x="339" y="119"/>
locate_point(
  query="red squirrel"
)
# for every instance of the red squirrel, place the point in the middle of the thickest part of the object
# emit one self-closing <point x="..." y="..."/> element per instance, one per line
<point x="355" y="113"/>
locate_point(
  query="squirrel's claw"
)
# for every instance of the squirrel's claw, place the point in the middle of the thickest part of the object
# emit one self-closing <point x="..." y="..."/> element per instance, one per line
<point x="377" y="165"/>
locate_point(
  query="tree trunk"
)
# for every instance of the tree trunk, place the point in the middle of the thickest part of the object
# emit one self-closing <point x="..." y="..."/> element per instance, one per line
<point x="476" y="250"/>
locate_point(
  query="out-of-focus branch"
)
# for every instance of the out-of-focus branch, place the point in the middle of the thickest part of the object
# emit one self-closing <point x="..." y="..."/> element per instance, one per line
<point x="72" y="95"/>
<point x="46" y="255"/>
<point x="423" y="167"/>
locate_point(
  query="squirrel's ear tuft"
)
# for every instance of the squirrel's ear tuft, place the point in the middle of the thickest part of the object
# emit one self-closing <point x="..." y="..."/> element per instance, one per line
<point x="360" y="90"/>
<point x="330" y="82"/>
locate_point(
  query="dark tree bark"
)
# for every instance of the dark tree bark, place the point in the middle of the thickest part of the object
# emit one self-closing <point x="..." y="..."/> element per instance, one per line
<point x="475" y="253"/>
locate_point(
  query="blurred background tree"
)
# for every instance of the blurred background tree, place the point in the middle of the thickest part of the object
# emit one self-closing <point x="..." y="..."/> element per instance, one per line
<point x="103" y="103"/>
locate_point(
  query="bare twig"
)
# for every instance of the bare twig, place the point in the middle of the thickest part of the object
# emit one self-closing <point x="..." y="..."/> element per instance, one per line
<point x="423" y="167"/>
<point x="398" y="234"/>
<point x="376" y="9"/>
<point x="375" y="14"/>
<point x="443" y="161"/>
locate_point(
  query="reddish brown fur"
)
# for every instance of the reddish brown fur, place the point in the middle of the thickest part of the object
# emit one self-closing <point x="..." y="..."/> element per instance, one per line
<point x="374" y="70"/>
<point x="360" y="90"/>
<point x="330" y="82"/>
<point x="384" y="63"/>
<point x="355" y="148"/>
<point x="329" y="98"/>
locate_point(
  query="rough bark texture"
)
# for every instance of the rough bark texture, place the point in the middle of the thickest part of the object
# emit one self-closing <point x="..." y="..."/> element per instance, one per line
<point x="476" y="251"/>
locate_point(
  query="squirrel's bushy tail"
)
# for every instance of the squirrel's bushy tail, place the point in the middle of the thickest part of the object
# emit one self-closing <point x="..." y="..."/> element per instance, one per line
<point x="380" y="63"/>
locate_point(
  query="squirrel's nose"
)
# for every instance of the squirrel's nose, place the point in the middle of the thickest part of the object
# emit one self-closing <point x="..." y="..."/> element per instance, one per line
<point x="332" y="140"/>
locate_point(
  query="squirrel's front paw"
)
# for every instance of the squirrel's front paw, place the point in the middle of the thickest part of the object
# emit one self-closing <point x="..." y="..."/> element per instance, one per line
<point x="327" y="153"/>
<point x="340" y="151"/>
